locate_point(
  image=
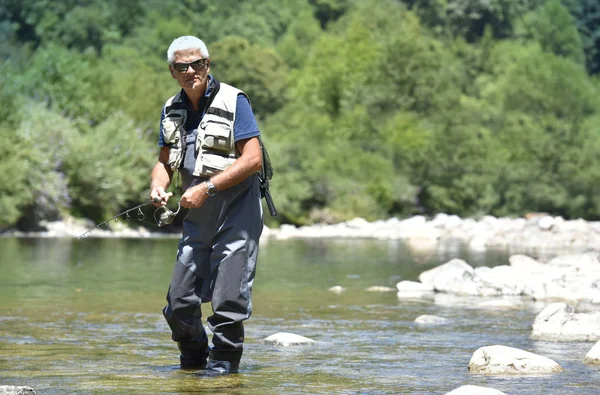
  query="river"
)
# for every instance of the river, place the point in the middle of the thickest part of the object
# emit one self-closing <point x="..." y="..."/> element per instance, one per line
<point x="84" y="317"/>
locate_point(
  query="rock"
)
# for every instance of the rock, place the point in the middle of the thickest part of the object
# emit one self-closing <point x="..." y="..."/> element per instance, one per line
<point x="14" y="390"/>
<point x="525" y="263"/>
<point x="593" y="356"/>
<point x="357" y="223"/>
<point x="499" y="280"/>
<point x="475" y="390"/>
<point x="430" y="320"/>
<point x="288" y="339"/>
<point x="411" y="286"/>
<point x="545" y="223"/>
<point x="455" y="276"/>
<point x="414" y="290"/>
<point x="559" y="322"/>
<point x="507" y="360"/>
<point x="379" y="288"/>
<point x="337" y="289"/>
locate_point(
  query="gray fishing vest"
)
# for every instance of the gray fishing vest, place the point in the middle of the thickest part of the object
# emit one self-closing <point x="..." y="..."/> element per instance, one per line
<point x="215" y="141"/>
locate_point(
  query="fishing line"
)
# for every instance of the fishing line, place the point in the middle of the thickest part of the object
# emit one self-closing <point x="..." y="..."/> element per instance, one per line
<point x="163" y="219"/>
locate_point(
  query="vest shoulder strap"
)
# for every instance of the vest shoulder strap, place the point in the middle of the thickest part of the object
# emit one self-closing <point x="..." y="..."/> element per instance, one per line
<point x="225" y="102"/>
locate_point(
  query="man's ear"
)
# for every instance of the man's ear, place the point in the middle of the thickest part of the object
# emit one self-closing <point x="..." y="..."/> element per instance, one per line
<point x="207" y="65"/>
<point x="172" y="70"/>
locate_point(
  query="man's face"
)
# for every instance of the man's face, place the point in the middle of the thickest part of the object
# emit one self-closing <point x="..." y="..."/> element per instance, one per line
<point x="190" y="79"/>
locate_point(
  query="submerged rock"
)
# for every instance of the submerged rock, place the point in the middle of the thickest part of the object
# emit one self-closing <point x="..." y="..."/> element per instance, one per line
<point x="430" y="320"/>
<point x="337" y="289"/>
<point x="412" y="286"/>
<point x="288" y="339"/>
<point x="15" y="390"/>
<point x="475" y="390"/>
<point x="593" y="356"/>
<point x="507" y="360"/>
<point x="379" y="288"/>
<point x="559" y="322"/>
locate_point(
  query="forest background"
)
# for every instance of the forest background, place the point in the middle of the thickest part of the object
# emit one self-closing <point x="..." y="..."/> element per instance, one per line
<point x="368" y="108"/>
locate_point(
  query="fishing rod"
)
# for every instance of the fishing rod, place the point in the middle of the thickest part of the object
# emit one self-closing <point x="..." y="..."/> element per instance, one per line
<point x="164" y="218"/>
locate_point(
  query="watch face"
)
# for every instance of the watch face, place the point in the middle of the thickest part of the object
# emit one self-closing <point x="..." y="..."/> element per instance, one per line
<point x="211" y="190"/>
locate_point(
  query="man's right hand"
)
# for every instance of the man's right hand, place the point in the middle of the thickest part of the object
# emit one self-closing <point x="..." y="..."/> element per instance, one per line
<point x="160" y="197"/>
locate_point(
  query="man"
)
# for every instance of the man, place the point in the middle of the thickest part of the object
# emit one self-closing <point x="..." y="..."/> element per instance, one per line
<point x="209" y="135"/>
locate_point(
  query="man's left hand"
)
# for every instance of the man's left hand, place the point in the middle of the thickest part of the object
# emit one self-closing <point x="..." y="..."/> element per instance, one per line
<point x="194" y="197"/>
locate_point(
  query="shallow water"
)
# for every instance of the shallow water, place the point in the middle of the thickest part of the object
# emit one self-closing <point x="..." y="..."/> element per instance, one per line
<point x="84" y="317"/>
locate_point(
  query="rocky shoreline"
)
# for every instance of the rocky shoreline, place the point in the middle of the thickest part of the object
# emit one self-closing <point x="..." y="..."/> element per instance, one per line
<point x="534" y="231"/>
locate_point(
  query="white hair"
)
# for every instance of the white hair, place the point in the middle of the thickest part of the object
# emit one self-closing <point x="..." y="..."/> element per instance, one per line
<point x="183" y="43"/>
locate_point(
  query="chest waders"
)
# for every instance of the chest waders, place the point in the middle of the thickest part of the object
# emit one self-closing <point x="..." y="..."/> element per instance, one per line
<point x="216" y="256"/>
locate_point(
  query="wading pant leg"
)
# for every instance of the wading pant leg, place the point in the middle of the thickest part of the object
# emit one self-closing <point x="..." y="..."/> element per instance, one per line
<point x="235" y="261"/>
<point x="183" y="313"/>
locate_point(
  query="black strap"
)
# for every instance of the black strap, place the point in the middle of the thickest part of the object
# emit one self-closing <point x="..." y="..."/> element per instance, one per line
<point x="220" y="113"/>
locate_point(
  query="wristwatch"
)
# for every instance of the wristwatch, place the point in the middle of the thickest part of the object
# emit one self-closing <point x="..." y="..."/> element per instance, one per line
<point x="211" y="190"/>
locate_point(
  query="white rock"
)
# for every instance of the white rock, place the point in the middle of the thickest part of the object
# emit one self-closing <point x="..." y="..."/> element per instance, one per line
<point x="526" y="264"/>
<point x="430" y="320"/>
<point x="546" y="223"/>
<point x="499" y="280"/>
<point x="413" y="286"/>
<point x="593" y="356"/>
<point x="475" y="390"/>
<point x="288" y="339"/>
<point x="357" y="223"/>
<point x="379" y="288"/>
<point x="455" y="276"/>
<point x="337" y="289"/>
<point x="559" y="322"/>
<point x="453" y="221"/>
<point x="16" y="390"/>
<point x="507" y="360"/>
<point x="577" y="261"/>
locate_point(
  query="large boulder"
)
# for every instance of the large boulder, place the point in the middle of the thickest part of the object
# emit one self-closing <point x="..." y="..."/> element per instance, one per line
<point x="559" y="322"/>
<point x="507" y="360"/>
<point x="455" y="276"/>
<point x="475" y="390"/>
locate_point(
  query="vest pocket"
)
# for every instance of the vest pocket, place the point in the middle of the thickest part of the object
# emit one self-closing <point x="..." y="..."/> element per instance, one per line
<point x="217" y="136"/>
<point x="214" y="164"/>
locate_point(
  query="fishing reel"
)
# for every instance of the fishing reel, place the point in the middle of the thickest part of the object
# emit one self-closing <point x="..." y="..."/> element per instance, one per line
<point x="167" y="216"/>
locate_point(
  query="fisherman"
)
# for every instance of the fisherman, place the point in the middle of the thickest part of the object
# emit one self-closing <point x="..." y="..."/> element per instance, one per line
<point x="209" y="135"/>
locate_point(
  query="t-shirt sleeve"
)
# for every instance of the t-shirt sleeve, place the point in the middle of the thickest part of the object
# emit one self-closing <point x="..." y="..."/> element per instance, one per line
<point x="244" y="126"/>
<point x="161" y="137"/>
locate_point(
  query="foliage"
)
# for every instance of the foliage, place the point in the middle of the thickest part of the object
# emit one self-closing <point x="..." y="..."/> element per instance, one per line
<point x="108" y="166"/>
<point x="259" y="69"/>
<point x="554" y="28"/>
<point x="368" y="108"/>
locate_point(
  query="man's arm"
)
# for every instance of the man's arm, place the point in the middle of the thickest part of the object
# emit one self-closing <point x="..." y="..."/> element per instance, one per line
<point x="249" y="162"/>
<point x="161" y="178"/>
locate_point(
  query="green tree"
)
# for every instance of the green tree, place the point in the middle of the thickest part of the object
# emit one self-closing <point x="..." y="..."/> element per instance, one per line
<point x="254" y="68"/>
<point x="587" y="17"/>
<point x="554" y="29"/>
<point x="108" y="167"/>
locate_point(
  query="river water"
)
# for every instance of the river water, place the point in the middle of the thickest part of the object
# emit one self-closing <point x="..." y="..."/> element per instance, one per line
<point x="84" y="317"/>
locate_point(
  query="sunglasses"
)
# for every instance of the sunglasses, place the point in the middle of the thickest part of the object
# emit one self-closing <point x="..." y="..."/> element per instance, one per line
<point x="196" y="65"/>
